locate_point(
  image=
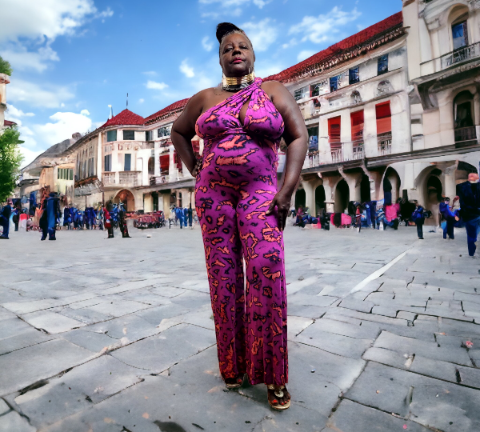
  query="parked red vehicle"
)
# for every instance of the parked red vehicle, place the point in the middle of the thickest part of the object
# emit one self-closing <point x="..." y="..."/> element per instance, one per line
<point x="150" y="220"/>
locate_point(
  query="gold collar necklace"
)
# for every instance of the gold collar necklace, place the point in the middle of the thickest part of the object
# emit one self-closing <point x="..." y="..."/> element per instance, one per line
<point x="232" y="84"/>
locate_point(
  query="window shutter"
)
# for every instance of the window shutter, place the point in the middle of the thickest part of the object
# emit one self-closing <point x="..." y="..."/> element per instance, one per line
<point x="128" y="135"/>
<point x="384" y="118"/>
<point x="111" y="136"/>
<point x="334" y="129"/>
<point x="357" y="125"/>
<point x="128" y="162"/>
<point x="164" y="164"/>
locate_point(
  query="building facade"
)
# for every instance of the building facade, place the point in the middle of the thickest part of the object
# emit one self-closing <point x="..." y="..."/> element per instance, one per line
<point x="392" y="111"/>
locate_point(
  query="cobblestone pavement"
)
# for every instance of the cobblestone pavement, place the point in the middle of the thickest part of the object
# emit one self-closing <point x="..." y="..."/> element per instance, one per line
<point x="117" y="335"/>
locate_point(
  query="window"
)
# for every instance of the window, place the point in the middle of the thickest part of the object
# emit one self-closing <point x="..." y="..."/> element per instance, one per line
<point x="334" y="129"/>
<point x="460" y="35"/>
<point x="178" y="161"/>
<point x="357" y="125"/>
<point x="383" y="64"/>
<point x="301" y="93"/>
<point x="111" y="135"/>
<point x="108" y="163"/>
<point x="148" y="136"/>
<point x="164" y="164"/>
<point x="320" y="88"/>
<point x="353" y="76"/>
<point x="128" y="162"/>
<point x="70" y="174"/>
<point x="313" y="138"/>
<point x="333" y="84"/>
<point x="164" y="131"/>
<point x="384" y="118"/>
<point x="128" y="135"/>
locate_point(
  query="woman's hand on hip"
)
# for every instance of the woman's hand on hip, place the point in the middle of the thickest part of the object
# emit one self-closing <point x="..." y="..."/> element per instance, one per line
<point x="282" y="201"/>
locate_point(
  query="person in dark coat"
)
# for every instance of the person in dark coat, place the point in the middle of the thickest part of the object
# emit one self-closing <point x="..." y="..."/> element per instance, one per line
<point x="449" y="216"/>
<point x="5" y="220"/>
<point x="51" y="212"/>
<point x="123" y="222"/>
<point x="418" y="217"/>
<point x="190" y="216"/>
<point x="469" y="193"/>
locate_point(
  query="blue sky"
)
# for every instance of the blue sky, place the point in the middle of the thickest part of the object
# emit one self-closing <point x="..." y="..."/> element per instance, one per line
<point x="73" y="58"/>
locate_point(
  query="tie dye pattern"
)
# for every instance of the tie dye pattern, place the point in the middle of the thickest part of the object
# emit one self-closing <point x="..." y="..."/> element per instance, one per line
<point x="234" y="189"/>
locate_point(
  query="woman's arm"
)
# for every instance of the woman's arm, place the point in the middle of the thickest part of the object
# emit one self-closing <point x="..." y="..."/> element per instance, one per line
<point x="183" y="131"/>
<point x="296" y="138"/>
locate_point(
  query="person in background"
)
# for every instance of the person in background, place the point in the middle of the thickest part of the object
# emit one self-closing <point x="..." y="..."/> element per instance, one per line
<point x="17" y="210"/>
<point x="5" y="220"/>
<point x="469" y="193"/>
<point x="419" y="218"/>
<point x="447" y="213"/>
<point x="108" y="220"/>
<point x="179" y="215"/>
<point x="358" y="217"/>
<point x="190" y="216"/>
<point x="185" y="216"/>
<point x="51" y="212"/>
<point x="122" y="216"/>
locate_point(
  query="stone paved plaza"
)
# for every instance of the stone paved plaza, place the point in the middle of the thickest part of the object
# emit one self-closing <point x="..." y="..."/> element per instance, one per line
<point x="117" y="335"/>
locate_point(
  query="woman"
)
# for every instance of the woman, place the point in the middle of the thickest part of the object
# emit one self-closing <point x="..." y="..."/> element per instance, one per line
<point x="240" y="209"/>
<point x="108" y="220"/>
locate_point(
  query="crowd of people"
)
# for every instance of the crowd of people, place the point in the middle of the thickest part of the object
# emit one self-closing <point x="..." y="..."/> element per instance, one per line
<point x="463" y="211"/>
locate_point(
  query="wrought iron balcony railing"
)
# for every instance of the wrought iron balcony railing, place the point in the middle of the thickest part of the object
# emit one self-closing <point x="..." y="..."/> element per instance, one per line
<point x="384" y="144"/>
<point x="465" y="134"/>
<point x="460" y="55"/>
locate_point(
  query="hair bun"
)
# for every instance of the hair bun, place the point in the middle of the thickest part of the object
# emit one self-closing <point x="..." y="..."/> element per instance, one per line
<point x="224" y="28"/>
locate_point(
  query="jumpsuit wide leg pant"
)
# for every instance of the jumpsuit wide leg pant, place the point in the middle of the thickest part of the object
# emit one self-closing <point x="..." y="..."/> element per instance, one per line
<point x="250" y="310"/>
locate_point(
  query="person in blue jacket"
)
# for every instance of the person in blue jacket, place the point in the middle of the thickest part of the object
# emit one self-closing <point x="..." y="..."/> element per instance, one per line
<point x="449" y="216"/>
<point x="51" y="212"/>
<point x="469" y="193"/>
<point x="418" y="217"/>
<point x="179" y="214"/>
<point x="5" y="220"/>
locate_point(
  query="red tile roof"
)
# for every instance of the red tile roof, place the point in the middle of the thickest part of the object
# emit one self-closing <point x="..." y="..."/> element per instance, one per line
<point x="347" y="48"/>
<point x="8" y="123"/>
<point x="126" y="117"/>
<point x="167" y="110"/>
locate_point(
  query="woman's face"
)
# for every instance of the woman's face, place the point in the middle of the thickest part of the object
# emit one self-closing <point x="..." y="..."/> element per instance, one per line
<point x="236" y="55"/>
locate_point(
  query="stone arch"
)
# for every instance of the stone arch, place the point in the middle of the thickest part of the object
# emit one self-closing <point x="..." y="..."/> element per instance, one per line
<point x="391" y="182"/>
<point x="300" y="198"/>
<point x="320" y="198"/>
<point x="365" y="190"/>
<point x="342" y="196"/>
<point x="127" y="197"/>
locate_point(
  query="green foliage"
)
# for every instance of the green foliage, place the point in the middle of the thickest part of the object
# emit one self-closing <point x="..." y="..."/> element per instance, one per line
<point x="10" y="160"/>
<point x="5" y="67"/>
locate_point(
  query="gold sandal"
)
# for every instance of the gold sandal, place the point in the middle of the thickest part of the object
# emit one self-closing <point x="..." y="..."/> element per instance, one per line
<point x="237" y="384"/>
<point x="278" y="392"/>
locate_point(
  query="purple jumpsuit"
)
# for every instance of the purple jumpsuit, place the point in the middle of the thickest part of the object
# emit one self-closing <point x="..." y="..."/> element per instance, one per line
<point x="234" y="189"/>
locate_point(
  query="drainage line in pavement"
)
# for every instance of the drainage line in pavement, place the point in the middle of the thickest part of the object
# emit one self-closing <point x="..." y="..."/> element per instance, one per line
<point x="378" y="273"/>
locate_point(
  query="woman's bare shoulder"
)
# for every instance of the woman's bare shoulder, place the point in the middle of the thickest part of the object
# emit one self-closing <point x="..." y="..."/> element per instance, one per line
<point x="200" y="99"/>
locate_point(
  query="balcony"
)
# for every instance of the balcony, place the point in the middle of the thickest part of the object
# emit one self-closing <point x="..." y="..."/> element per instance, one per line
<point x="465" y="134"/>
<point x="122" y="178"/>
<point x="337" y="155"/>
<point x="309" y="108"/>
<point x="128" y="178"/>
<point x="358" y="151"/>
<point x="384" y="144"/>
<point x="157" y="180"/>
<point x="460" y="55"/>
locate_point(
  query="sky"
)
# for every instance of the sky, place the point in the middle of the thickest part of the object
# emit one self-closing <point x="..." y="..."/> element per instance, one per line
<point x="71" y="59"/>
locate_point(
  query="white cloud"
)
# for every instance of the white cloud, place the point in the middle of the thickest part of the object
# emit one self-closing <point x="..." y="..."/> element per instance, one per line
<point x="85" y="112"/>
<point x="261" y="3"/>
<point x="45" y="96"/>
<point x="15" y="114"/>
<point x="141" y="100"/>
<point x="22" y="59"/>
<point x="28" y="155"/>
<point x="291" y="43"/>
<point x="302" y="55"/>
<point x="156" y="85"/>
<point x="265" y="69"/>
<point x="186" y="69"/>
<point x="27" y="28"/>
<point x="324" y="27"/>
<point x="207" y="44"/>
<point x="262" y="34"/>
<point x="150" y="73"/>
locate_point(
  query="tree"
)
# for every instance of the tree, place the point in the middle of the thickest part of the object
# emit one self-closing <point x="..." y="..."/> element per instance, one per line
<point x="5" y="67"/>
<point x="10" y="160"/>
